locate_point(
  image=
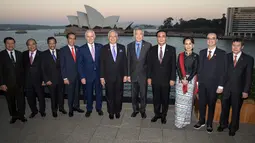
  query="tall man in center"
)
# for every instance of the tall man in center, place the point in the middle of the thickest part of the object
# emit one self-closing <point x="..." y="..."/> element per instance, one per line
<point x="113" y="69"/>
<point x="137" y="53"/>
<point x="161" y="75"/>
<point x="89" y="69"/>
<point x="68" y="62"/>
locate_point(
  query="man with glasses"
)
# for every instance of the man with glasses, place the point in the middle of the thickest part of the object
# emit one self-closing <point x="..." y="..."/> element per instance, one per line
<point x="211" y="72"/>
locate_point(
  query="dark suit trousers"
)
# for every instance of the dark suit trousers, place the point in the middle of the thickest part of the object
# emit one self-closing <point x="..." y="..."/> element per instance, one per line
<point x="57" y="97"/>
<point x="31" y="93"/>
<point x="90" y="86"/>
<point x="73" y="94"/>
<point x="114" y="95"/>
<point x="160" y="99"/>
<point x="16" y="101"/>
<point x="207" y="96"/>
<point x="139" y="88"/>
<point x="234" y="100"/>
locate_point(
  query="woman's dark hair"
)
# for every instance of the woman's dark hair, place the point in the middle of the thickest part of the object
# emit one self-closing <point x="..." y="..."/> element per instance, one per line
<point x="9" y="38"/>
<point x="188" y="38"/>
<point x="51" y="38"/>
<point x="238" y="40"/>
<point x="70" y="33"/>
<point x="29" y="40"/>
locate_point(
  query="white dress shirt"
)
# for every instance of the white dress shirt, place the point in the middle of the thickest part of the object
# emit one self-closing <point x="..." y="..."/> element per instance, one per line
<point x="70" y="47"/>
<point x="212" y="53"/>
<point x="238" y="56"/>
<point x="115" y="48"/>
<point x="34" y="53"/>
<point x="55" y="52"/>
<point x="13" y="53"/>
<point x="163" y="51"/>
<point x="90" y="48"/>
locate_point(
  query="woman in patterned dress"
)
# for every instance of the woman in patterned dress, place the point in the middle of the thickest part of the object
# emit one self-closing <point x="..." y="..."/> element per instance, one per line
<point x="186" y="85"/>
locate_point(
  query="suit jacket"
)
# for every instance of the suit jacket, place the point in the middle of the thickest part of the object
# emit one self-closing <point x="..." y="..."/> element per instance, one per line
<point x="113" y="71"/>
<point x="166" y="71"/>
<point x="50" y="68"/>
<point x="33" y="73"/>
<point x="68" y="66"/>
<point x="239" y="78"/>
<point x="214" y="75"/>
<point x="138" y="68"/>
<point x="10" y="74"/>
<point x="87" y="67"/>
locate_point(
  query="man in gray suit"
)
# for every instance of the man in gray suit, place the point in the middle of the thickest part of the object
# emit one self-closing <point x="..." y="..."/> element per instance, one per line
<point x="137" y="53"/>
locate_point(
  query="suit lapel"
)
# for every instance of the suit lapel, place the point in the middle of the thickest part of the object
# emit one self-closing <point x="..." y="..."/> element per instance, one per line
<point x="118" y="53"/>
<point x="70" y="52"/>
<point x="239" y="60"/>
<point x="142" y="50"/>
<point x="110" y="53"/>
<point x="36" y="57"/>
<point x="165" y="54"/>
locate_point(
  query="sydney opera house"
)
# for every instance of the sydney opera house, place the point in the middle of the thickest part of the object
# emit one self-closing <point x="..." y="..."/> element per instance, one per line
<point x="93" y="19"/>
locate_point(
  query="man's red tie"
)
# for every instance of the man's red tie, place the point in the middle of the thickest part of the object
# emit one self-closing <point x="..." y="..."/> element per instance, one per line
<point x="73" y="54"/>
<point x="235" y="60"/>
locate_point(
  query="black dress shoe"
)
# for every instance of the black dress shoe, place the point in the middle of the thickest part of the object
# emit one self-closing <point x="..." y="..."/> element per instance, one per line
<point x="199" y="126"/>
<point x="117" y="115"/>
<point x="32" y="115"/>
<point x="55" y="114"/>
<point x="23" y="119"/>
<point x="111" y="116"/>
<point x="163" y="120"/>
<point x="134" y="114"/>
<point x="220" y="129"/>
<point x="143" y="115"/>
<point x="100" y="112"/>
<point x="78" y="110"/>
<point x="88" y="113"/>
<point x="231" y="133"/>
<point x="13" y="120"/>
<point x="63" y="111"/>
<point x="155" y="118"/>
<point x="43" y="114"/>
<point x="209" y="129"/>
<point x="70" y="114"/>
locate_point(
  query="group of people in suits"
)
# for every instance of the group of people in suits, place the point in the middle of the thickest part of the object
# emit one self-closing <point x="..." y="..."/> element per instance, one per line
<point x="94" y="66"/>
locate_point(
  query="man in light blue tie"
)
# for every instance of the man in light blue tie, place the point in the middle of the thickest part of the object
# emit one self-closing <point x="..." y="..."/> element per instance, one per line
<point x="113" y="73"/>
<point x="137" y="53"/>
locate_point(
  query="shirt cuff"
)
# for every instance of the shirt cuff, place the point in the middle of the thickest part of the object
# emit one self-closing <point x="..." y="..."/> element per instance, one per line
<point x="220" y="87"/>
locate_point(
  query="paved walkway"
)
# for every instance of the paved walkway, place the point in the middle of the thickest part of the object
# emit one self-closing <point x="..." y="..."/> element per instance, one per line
<point x="98" y="129"/>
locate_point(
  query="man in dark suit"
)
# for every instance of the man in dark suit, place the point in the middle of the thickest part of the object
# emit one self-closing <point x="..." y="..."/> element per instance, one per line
<point x="52" y="76"/>
<point x="211" y="72"/>
<point x="113" y="72"/>
<point x="137" y="54"/>
<point x="161" y="75"/>
<point x="237" y="86"/>
<point x="33" y="78"/>
<point x="11" y="80"/>
<point x="68" y="62"/>
<point x="89" y="69"/>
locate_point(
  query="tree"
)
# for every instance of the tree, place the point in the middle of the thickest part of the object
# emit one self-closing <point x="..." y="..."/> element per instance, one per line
<point x="168" y="22"/>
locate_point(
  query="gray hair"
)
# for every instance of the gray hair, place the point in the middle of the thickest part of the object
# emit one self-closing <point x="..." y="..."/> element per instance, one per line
<point x="111" y="32"/>
<point x="136" y="29"/>
<point x="90" y="30"/>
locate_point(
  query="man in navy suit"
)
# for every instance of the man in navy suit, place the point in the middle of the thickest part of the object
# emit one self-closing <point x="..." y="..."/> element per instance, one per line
<point x="89" y="69"/>
<point x="69" y="70"/>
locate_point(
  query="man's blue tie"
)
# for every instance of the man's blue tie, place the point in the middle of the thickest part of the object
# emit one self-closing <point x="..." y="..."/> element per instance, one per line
<point x="138" y="49"/>
<point x="114" y="53"/>
<point x="53" y="55"/>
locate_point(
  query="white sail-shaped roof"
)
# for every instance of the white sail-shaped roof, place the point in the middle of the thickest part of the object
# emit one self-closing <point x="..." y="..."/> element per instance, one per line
<point x="95" y="18"/>
<point x="83" y="19"/>
<point x="111" y="21"/>
<point x="73" y="20"/>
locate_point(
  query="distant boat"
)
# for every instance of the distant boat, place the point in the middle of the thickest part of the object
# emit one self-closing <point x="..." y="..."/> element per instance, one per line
<point x="21" y="32"/>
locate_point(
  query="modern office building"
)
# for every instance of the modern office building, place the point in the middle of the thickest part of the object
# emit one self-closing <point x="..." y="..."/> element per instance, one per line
<point x="240" y="22"/>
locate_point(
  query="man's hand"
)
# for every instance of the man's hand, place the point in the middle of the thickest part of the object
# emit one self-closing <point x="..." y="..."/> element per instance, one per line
<point x="219" y="90"/>
<point x="83" y="81"/>
<point x="66" y="81"/>
<point x="102" y="81"/>
<point x="125" y="78"/>
<point x="49" y="83"/>
<point x="129" y="79"/>
<point x="245" y="95"/>
<point x="43" y="84"/>
<point x="149" y="81"/>
<point x="172" y="83"/>
<point x="3" y="87"/>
